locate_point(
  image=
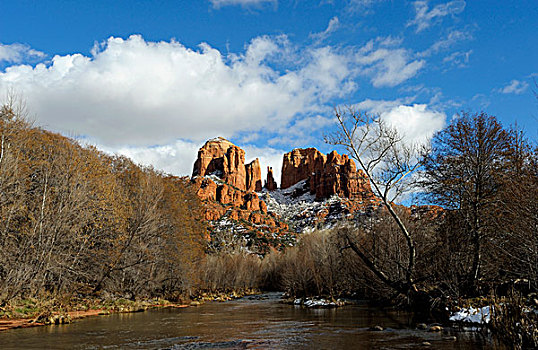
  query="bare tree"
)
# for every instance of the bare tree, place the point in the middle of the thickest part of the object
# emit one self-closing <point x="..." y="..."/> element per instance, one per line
<point x="389" y="163"/>
<point x="464" y="172"/>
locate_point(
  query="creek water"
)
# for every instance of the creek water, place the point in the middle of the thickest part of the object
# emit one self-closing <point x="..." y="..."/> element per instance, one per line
<point x="256" y="322"/>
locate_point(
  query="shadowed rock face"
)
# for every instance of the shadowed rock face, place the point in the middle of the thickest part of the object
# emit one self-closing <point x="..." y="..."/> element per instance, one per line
<point x="326" y="175"/>
<point x="270" y="183"/>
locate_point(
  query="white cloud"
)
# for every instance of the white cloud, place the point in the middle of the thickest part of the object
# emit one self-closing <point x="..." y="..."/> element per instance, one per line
<point x="303" y="132"/>
<point x="333" y="25"/>
<point x="157" y="102"/>
<point x="244" y="3"/>
<point x="416" y="123"/>
<point x="515" y="87"/>
<point x="424" y="16"/>
<point x="176" y="158"/>
<point x="379" y="106"/>
<point x="386" y="65"/>
<point x="139" y="93"/>
<point x="268" y="157"/>
<point x="16" y="53"/>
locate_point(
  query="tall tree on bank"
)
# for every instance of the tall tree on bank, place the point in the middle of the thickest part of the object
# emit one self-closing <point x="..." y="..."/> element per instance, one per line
<point x="464" y="172"/>
<point x="516" y="218"/>
<point x="388" y="163"/>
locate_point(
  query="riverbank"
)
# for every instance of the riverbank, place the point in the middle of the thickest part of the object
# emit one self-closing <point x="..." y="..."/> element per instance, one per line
<point x="62" y="316"/>
<point x="26" y="313"/>
<point x="260" y="321"/>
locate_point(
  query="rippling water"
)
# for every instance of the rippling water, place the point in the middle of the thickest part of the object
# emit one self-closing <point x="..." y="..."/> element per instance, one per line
<point x="248" y="323"/>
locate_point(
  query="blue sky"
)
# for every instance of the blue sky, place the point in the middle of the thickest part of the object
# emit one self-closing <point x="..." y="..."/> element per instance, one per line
<point x="155" y="79"/>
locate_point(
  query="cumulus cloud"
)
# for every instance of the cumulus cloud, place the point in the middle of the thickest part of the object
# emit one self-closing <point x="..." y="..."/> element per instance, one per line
<point x="416" y="123"/>
<point x="157" y="102"/>
<point x="388" y="65"/>
<point x="175" y="158"/>
<point x="130" y="91"/>
<point x="424" y="16"/>
<point x="16" y="53"/>
<point x="244" y="3"/>
<point x="515" y="87"/>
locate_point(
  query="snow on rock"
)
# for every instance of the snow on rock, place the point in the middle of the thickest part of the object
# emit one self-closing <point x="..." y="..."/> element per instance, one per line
<point x="472" y="315"/>
<point x="317" y="303"/>
<point x="297" y="206"/>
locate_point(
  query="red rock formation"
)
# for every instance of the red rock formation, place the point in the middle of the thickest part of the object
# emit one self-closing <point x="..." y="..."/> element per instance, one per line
<point x="326" y="175"/>
<point x="227" y="194"/>
<point x="233" y="196"/>
<point x="270" y="183"/>
<point x="300" y="164"/>
<point x="254" y="176"/>
<point x="224" y="159"/>
<point x="206" y="189"/>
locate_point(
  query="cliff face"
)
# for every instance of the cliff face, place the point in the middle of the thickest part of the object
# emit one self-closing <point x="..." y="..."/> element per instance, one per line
<point x="229" y="191"/>
<point x="227" y="187"/>
<point x="326" y="175"/>
<point x="254" y="176"/>
<point x="222" y="158"/>
<point x="299" y="165"/>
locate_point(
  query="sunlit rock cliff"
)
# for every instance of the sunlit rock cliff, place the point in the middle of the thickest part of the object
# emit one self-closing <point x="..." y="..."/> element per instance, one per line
<point x="317" y="190"/>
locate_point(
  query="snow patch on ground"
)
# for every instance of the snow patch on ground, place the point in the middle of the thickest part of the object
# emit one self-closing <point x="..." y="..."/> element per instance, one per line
<point x="472" y="315"/>
<point x="317" y="303"/>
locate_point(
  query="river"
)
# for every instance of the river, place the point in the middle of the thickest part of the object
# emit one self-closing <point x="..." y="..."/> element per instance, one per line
<point x="259" y="322"/>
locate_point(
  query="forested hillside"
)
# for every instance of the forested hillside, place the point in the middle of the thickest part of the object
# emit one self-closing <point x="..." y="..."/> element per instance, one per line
<point x="76" y="221"/>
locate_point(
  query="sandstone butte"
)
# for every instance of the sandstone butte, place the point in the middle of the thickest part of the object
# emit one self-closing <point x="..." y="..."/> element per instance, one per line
<point x="231" y="191"/>
<point x="227" y="187"/>
<point x="326" y="175"/>
<point x="222" y="158"/>
<point x="231" y="188"/>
